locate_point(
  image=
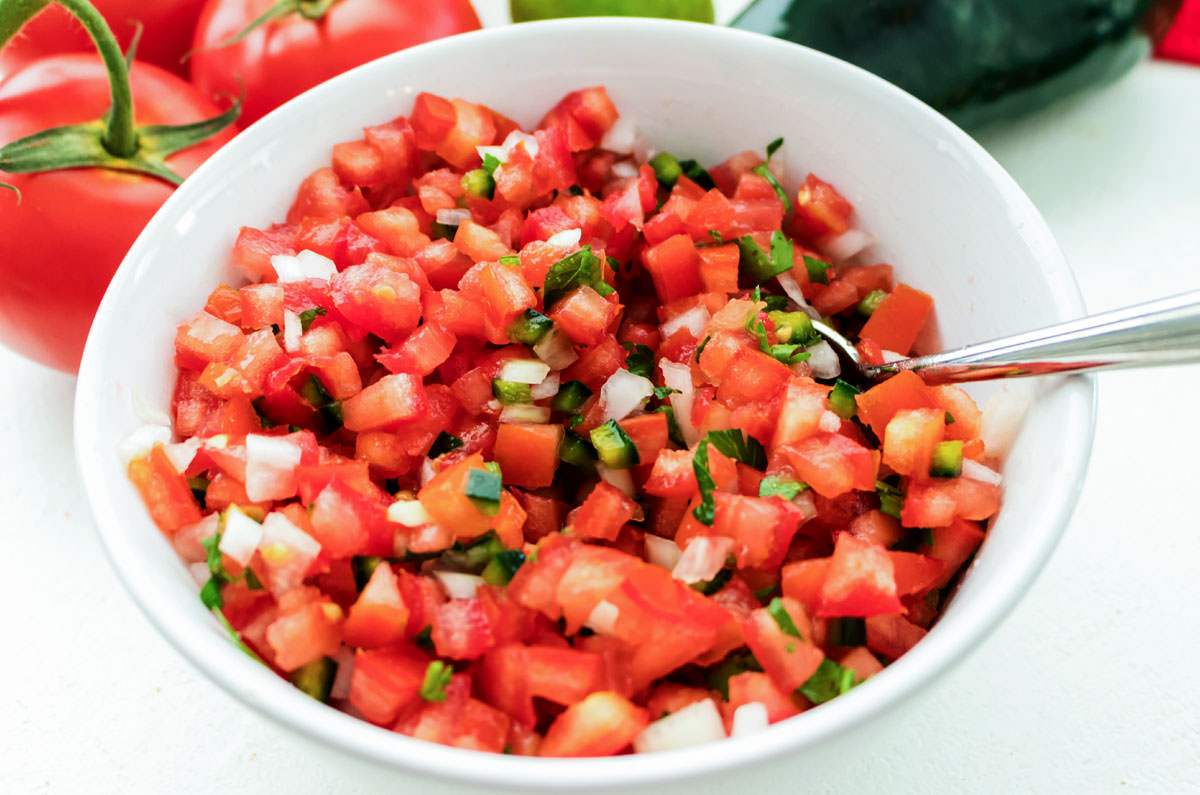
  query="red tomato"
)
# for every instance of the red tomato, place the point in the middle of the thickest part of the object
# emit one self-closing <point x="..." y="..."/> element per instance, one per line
<point x="166" y="33"/>
<point x="60" y="245"/>
<point x="286" y="56"/>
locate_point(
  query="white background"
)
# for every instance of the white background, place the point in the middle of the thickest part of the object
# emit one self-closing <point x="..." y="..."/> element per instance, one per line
<point x="1091" y="685"/>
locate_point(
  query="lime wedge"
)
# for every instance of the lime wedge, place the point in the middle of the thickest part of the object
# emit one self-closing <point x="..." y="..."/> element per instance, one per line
<point x="694" y="10"/>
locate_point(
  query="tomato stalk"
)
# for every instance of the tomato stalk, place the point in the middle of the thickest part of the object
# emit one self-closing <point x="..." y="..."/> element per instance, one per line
<point x="113" y="141"/>
<point x="312" y="10"/>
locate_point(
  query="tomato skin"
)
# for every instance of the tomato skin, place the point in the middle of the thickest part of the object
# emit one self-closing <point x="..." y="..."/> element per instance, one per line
<point x="166" y="27"/>
<point x="282" y="58"/>
<point x="61" y="244"/>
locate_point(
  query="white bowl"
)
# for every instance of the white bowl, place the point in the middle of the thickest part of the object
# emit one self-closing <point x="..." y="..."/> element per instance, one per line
<point x="944" y="213"/>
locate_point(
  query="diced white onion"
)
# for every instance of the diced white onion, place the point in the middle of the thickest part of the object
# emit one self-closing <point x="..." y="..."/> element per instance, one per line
<point x="792" y="287"/>
<point x="702" y="558"/>
<point x="292" y="330"/>
<point x="199" y="572"/>
<point x="603" y="618"/>
<point x="830" y="422"/>
<point x="694" y="320"/>
<point x="498" y="152"/>
<point x="453" y="216"/>
<point x="695" y="724"/>
<point x="1002" y="417"/>
<point x="749" y="718"/>
<point x="217" y="442"/>
<point x="345" y="672"/>
<point x="662" y="552"/>
<point x="891" y="356"/>
<point x="823" y="360"/>
<point x="679" y="376"/>
<point x="846" y="245"/>
<point x="807" y="505"/>
<point x="427" y="472"/>
<point x="457" y="584"/>
<point x="525" y="413"/>
<point x="976" y="471"/>
<point x="567" y="238"/>
<point x="182" y="453"/>
<point x="625" y="169"/>
<point x="524" y="371"/>
<point x="241" y="537"/>
<point x="141" y="440"/>
<point x="556" y="350"/>
<point x="622" y="393"/>
<point x="410" y="513"/>
<point x="619" y="478"/>
<point x="546" y="388"/>
<point x="493" y="406"/>
<point x="515" y="139"/>
<point x="278" y="529"/>
<point x="620" y="137"/>
<point x="147" y="410"/>
<point x="304" y="265"/>
<point x="270" y="467"/>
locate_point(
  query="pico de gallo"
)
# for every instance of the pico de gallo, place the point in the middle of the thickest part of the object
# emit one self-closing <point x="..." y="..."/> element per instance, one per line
<point x="524" y="442"/>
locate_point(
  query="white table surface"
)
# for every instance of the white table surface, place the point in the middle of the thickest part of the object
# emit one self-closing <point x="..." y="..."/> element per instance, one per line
<point x="1091" y="685"/>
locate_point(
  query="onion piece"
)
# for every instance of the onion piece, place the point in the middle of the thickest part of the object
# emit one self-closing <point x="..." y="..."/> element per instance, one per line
<point x="694" y="320"/>
<point x="181" y="454"/>
<point x="525" y="413"/>
<point x="619" y="478"/>
<point x="749" y="718"/>
<point x="621" y="137"/>
<point x="546" y="388"/>
<point x="702" y="558"/>
<point x="807" y="505"/>
<point x="1002" y="417"/>
<point x="679" y="376"/>
<point x="457" y="584"/>
<point x="555" y="349"/>
<point x="271" y="463"/>
<point x="200" y="572"/>
<point x="524" y="371"/>
<point x="427" y="471"/>
<point x="792" y="287"/>
<point x="142" y="440"/>
<point x="241" y="536"/>
<point x="453" y="216"/>
<point x="345" y="672"/>
<point x="624" y="169"/>
<point x="410" y="513"/>
<point x="292" y="330"/>
<point x="823" y="360"/>
<point x="844" y="246"/>
<point x="278" y="531"/>
<point x="603" y="618"/>
<point x="567" y="238"/>
<point x="622" y="393"/>
<point x="147" y="410"/>
<point x="517" y="138"/>
<point x="498" y="152"/>
<point x="973" y="470"/>
<point x="697" y="723"/>
<point x="304" y="265"/>
<point x="830" y="422"/>
<point x="662" y="552"/>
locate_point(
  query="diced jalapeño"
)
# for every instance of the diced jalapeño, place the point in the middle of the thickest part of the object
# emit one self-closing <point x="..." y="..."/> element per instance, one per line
<point x="613" y="445"/>
<point x="947" y="459"/>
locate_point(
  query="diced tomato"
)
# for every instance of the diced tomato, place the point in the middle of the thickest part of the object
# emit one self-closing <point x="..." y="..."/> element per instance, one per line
<point x="877" y="527"/>
<point x="803" y="581"/>
<point x="165" y="491"/>
<point x="584" y="116"/>
<point x="751" y="377"/>
<point x="909" y="440"/>
<point x="862" y="662"/>
<point x="789" y="660"/>
<point x="535" y="585"/>
<point x="307" y="633"/>
<point x="752" y="686"/>
<point x="952" y="545"/>
<point x="937" y="503"/>
<point x="421" y="353"/>
<point x="820" y="210"/>
<point x="892" y="635"/>
<point x="602" y="724"/>
<point x="528" y="454"/>
<point x="321" y="195"/>
<point x="461" y="630"/>
<point x="445" y="498"/>
<point x="385" y="404"/>
<point x="674" y="265"/>
<point x="860" y="580"/>
<point x="386" y="681"/>
<point x="379" y="617"/>
<point x="880" y="403"/>
<point x="898" y="319"/>
<point x="583" y="315"/>
<point x="603" y="512"/>
<point x="832" y="464"/>
<point x="253" y="249"/>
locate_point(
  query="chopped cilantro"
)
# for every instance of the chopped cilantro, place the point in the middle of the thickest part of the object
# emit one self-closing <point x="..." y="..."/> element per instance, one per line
<point x="829" y="680"/>
<point x="734" y="444"/>
<point x="696" y="173"/>
<point x="673" y="432"/>
<point x="766" y="174"/>
<point x="574" y="420"/>
<point x="778" y="612"/>
<point x="773" y="147"/>
<point x="710" y="587"/>
<point x="309" y="315"/>
<point x="444" y="443"/>
<point x="818" y="269"/>
<point x="705" y="512"/>
<point x="573" y="270"/>
<point x="949" y="418"/>
<point x="490" y="164"/>
<point x="773" y="486"/>
<point x="700" y="347"/>
<point x="736" y="663"/>
<point x="424" y="638"/>
<point x="661" y="392"/>
<point x="437" y="676"/>
<point x="715" y="235"/>
<point x="640" y="360"/>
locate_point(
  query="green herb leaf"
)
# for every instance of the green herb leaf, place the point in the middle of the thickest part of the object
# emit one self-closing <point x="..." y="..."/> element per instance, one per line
<point x="789" y="354"/>
<point x="715" y="235"/>
<point x="511" y="261"/>
<point x="949" y="418"/>
<point x="437" y="677"/>
<point x="696" y="173"/>
<point x="818" y="269"/>
<point x="640" y="360"/>
<point x="574" y="421"/>
<point x="673" y="432"/>
<point x="738" y="446"/>
<point x="773" y="147"/>
<point x="775" y="303"/>
<point x="661" y="392"/>
<point x="700" y="347"/>
<point x="444" y="443"/>
<point x="773" y="486"/>
<point x="210" y="594"/>
<point x="705" y="512"/>
<point x="490" y="164"/>
<point x="719" y="581"/>
<point x="736" y="663"/>
<point x="766" y="174"/>
<point x="309" y="315"/>
<point x="424" y="638"/>
<point x="579" y="268"/>
<point x="778" y="612"/>
<point x="829" y="681"/>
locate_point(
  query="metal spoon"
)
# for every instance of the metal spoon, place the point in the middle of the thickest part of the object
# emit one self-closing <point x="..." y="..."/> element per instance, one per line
<point x="1165" y="331"/>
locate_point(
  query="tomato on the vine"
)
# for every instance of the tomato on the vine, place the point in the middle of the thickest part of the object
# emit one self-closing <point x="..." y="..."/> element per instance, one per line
<point x="61" y="241"/>
<point x="167" y="27"/>
<point x="291" y="53"/>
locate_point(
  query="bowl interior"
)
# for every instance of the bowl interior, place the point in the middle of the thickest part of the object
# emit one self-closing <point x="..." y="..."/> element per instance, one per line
<point x="944" y="214"/>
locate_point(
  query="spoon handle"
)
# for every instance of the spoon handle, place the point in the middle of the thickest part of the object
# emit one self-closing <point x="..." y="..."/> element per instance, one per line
<point x="1165" y="331"/>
